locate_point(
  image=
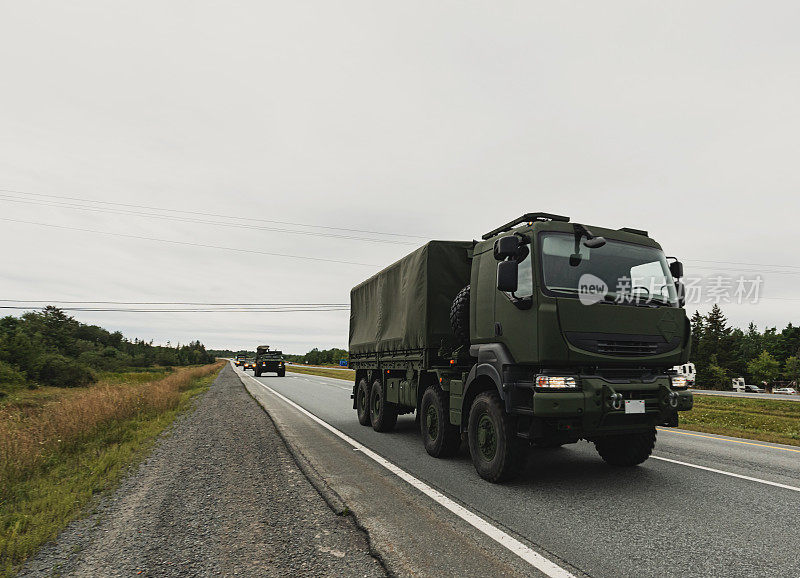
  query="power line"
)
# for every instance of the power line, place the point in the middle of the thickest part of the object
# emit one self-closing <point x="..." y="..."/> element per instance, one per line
<point x="740" y="263"/>
<point x="174" y="303"/>
<point x="129" y="310"/>
<point x="18" y="192"/>
<point x="186" y="243"/>
<point x="745" y="271"/>
<point x="254" y="219"/>
<point x="74" y="207"/>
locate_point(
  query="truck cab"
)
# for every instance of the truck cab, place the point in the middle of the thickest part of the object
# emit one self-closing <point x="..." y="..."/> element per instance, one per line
<point x="269" y="361"/>
<point x="579" y="326"/>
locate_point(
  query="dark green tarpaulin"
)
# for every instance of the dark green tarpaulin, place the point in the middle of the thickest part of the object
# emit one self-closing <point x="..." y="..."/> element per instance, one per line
<point x="407" y="305"/>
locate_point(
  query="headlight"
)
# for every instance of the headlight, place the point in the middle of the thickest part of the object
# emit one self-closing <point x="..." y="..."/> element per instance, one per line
<point x="679" y="382"/>
<point x="556" y="382"/>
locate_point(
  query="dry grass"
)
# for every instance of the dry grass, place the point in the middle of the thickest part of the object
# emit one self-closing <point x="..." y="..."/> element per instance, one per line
<point x="58" y="449"/>
<point x="28" y="433"/>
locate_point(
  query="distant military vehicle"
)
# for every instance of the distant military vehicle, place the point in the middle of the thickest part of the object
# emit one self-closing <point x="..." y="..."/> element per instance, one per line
<point x="239" y="360"/>
<point x="267" y="360"/>
<point x="542" y="333"/>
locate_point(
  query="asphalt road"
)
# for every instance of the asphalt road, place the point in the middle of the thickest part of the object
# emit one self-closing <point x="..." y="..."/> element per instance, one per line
<point x="714" y="514"/>
<point x="779" y="396"/>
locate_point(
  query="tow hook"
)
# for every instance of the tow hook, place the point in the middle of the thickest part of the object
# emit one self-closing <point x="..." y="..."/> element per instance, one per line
<point x="669" y="398"/>
<point x="673" y="399"/>
<point x="614" y="398"/>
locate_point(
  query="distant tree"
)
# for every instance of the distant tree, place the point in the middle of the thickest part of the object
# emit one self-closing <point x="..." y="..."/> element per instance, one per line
<point x="697" y="333"/>
<point x="711" y="375"/>
<point x="717" y="377"/>
<point x="764" y="368"/>
<point x="791" y="369"/>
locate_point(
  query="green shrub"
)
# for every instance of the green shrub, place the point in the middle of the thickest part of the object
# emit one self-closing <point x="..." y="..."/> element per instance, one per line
<point x="10" y="378"/>
<point x="59" y="371"/>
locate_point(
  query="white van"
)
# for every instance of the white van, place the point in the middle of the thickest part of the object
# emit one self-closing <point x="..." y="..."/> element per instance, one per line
<point x="688" y="371"/>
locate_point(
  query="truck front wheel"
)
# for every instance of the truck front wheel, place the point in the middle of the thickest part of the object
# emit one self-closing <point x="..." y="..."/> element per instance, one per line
<point x="440" y="437"/>
<point x="497" y="453"/>
<point x="362" y="402"/>
<point x="382" y="413"/>
<point x="257" y="372"/>
<point x="627" y="449"/>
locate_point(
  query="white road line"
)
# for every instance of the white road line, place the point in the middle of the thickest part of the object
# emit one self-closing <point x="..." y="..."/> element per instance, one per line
<point x="512" y="544"/>
<point x="724" y="473"/>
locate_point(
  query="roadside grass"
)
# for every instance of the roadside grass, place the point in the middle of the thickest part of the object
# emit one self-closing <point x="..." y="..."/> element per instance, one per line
<point x="345" y="374"/>
<point x="59" y="452"/>
<point x="766" y="420"/>
<point x="40" y="395"/>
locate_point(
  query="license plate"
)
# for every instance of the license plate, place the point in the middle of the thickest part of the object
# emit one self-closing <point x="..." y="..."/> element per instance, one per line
<point x="634" y="406"/>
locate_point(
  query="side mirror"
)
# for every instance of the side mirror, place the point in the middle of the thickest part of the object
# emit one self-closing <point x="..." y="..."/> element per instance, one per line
<point x="507" y="276"/>
<point x="676" y="268"/>
<point x="680" y="288"/>
<point x="506" y="247"/>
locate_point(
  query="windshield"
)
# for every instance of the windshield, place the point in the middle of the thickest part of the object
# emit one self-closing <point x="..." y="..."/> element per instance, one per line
<point x="626" y="272"/>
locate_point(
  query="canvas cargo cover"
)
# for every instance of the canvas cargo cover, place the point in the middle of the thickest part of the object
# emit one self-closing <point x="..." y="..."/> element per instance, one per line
<point x="407" y="305"/>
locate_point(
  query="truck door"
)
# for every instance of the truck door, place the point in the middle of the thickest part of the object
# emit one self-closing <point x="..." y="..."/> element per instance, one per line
<point x="515" y="315"/>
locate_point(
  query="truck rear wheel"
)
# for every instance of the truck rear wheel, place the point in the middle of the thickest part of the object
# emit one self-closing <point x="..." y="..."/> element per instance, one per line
<point x="459" y="316"/>
<point x="440" y="437"/>
<point x="362" y="402"/>
<point x="626" y="450"/>
<point x="382" y="413"/>
<point x="497" y="453"/>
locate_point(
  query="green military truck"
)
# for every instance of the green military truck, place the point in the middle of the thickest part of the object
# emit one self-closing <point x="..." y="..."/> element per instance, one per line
<point x="267" y="360"/>
<point x="239" y="360"/>
<point x="543" y="333"/>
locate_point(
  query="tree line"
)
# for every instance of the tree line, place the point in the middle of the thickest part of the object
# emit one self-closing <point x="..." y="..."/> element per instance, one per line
<point x="314" y="357"/>
<point x="49" y="347"/>
<point x="320" y="356"/>
<point x="721" y="352"/>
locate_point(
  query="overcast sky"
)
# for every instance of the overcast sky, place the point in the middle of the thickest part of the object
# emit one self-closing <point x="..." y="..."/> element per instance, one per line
<point x="426" y="119"/>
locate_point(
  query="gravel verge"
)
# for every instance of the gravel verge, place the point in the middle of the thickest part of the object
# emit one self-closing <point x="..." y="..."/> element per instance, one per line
<point x="220" y="495"/>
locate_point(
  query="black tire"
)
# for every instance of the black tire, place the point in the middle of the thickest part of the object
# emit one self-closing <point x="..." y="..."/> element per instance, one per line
<point x="503" y="458"/>
<point x="459" y="317"/>
<point x="362" y="402"/>
<point x="382" y="414"/>
<point x="257" y="373"/>
<point x="626" y="450"/>
<point x="440" y="437"/>
<point x="282" y="373"/>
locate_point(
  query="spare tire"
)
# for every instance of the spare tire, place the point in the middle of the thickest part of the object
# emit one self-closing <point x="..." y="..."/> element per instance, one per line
<point x="459" y="317"/>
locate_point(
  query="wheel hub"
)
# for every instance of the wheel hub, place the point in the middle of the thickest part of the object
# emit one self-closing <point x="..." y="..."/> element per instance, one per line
<point x="432" y="422"/>
<point x="487" y="438"/>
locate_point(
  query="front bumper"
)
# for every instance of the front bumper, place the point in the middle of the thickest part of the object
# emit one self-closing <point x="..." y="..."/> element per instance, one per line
<point x="598" y="407"/>
<point x="271" y="367"/>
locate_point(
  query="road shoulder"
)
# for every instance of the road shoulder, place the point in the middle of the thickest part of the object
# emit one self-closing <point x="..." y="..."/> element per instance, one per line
<point x="219" y="495"/>
<point x="412" y="534"/>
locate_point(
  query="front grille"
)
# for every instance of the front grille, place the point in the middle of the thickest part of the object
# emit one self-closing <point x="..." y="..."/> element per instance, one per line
<point x="621" y="344"/>
<point x="645" y="394"/>
<point x="625" y="348"/>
